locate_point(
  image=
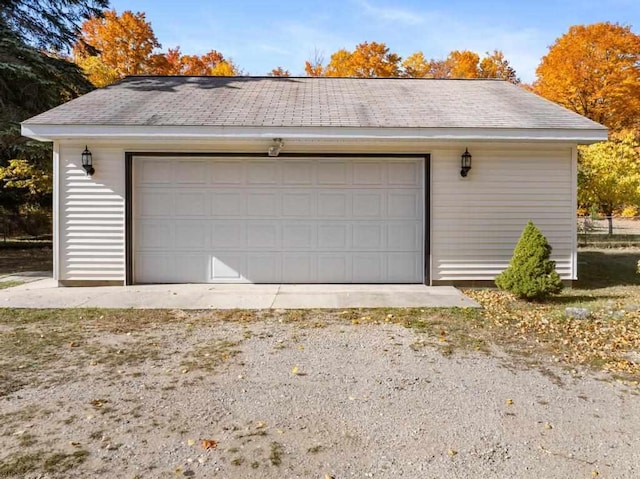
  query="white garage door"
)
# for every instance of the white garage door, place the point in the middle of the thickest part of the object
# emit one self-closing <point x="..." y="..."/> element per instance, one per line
<point x="284" y="220"/>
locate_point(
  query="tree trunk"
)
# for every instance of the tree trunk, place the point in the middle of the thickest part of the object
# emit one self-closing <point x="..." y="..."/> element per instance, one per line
<point x="610" y="220"/>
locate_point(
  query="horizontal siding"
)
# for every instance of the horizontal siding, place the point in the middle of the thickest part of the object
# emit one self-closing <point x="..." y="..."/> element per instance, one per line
<point x="477" y="221"/>
<point x="92" y="215"/>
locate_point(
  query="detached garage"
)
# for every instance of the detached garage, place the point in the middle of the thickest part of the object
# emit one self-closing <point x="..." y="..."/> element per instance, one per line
<point x="308" y="180"/>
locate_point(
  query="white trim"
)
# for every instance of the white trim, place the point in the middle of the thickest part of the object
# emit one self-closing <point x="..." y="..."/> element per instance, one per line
<point x="54" y="132"/>
<point x="574" y="206"/>
<point x="56" y="210"/>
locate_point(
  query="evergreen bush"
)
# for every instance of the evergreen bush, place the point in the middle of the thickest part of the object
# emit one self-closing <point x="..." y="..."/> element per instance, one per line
<point x="531" y="275"/>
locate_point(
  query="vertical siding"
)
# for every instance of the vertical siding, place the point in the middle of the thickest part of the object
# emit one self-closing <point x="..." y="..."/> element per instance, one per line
<point x="91" y="212"/>
<point x="476" y="221"/>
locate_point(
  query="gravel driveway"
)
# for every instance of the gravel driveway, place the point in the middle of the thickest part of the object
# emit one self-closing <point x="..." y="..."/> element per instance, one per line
<point x="285" y="400"/>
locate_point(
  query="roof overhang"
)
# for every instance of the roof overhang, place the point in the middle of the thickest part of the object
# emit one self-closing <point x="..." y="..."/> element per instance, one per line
<point x="140" y="132"/>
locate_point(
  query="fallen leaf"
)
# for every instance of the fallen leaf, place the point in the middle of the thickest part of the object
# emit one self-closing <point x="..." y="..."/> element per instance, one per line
<point x="452" y="452"/>
<point x="191" y="442"/>
<point x="548" y="426"/>
<point x="73" y="344"/>
<point x="261" y="425"/>
<point x="209" y="444"/>
<point x="510" y="402"/>
<point x="75" y="444"/>
<point x="295" y="370"/>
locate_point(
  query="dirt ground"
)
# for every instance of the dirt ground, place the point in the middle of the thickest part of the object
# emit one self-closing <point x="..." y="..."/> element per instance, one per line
<point x="288" y="398"/>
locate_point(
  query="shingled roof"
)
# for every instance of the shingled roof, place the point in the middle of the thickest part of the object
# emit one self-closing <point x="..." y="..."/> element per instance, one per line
<point x="314" y="102"/>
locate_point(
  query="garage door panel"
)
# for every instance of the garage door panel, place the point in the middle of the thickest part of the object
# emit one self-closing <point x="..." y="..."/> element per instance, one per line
<point x="334" y="236"/>
<point x="297" y="268"/>
<point x="227" y="235"/>
<point x="155" y="234"/>
<point x="191" y="234"/>
<point x="228" y="267"/>
<point x="264" y="267"/>
<point x="334" y="268"/>
<point x="298" y="236"/>
<point x="303" y="220"/>
<point x="298" y="204"/>
<point x="399" y="264"/>
<point x="263" y="235"/>
<point x="367" y="267"/>
<point x="191" y="172"/>
<point x="297" y="172"/>
<point x="152" y="202"/>
<point x="332" y="173"/>
<point x="229" y="204"/>
<point x="368" y="173"/>
<point x="156" y="172"/>
<point x="263" y="204"/>
<point x="333" y="204"/>
<point x="403" y="204"/>
<point x="191" y="203"/>
<point x="263" y="172"/>
<point x="227" y="172"/>
<point x="406" y="173"/>
<point x="403" y="236"/>
<point x="368" y="204"/>
<point x="368" y="236"/>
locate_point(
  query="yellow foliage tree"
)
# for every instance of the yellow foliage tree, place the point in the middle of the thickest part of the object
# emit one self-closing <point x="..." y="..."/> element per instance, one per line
<point x="594" y="70"/>
<point x="463" y="64"/>
<point x="416" y="66"/>
<point x="494" y="65"/>
<point x="609" y="174"/>
<point x="367" y="60"/>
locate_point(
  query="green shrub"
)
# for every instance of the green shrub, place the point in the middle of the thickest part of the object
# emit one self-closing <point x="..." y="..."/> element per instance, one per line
<point x="531" y="275"/>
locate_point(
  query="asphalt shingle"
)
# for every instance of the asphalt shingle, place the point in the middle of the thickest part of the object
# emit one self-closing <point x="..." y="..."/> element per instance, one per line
<point x="314" y="102"/>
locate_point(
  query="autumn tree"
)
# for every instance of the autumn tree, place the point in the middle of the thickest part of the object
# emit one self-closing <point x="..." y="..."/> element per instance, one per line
<point x="494" y="65"/>
<point x="314" y="66"/>
<point x="416" y="66"/>
<point x="367" y="60"/>
<point x="463" y="64"/>
<point x="609" y="174"/>
<point x="174" y="62"/>
<point x="121" y="45"/>
<point x="279" y="72"/>
<point x="34" y="78"/>
<point x="594" y="70"/>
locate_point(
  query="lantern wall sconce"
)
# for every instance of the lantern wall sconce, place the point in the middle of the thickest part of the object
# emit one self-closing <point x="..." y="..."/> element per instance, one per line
<point x="465" y="163"/>
<point x="87" y="161"/>
<point x="274" y="150"/>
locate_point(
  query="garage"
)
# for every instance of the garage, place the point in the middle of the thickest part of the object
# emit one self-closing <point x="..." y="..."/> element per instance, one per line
<point x="217" y="219"/>
<point x="308" y="180"/>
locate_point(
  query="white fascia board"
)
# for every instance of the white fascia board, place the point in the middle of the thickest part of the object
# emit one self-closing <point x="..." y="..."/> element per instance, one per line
<point x="55" y="132"/>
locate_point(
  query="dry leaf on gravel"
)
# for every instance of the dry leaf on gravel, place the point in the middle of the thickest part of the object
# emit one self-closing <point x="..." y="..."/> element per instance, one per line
<point x="209" y="444"/>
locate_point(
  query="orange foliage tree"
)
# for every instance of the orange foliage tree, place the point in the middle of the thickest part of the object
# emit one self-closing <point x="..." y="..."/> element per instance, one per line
<point x="124" y="45"/>
<point x="279" y="72"/>
<point x="174" y="62"/>
<point x="375" y="60"/>
<point x="115" y="46"/>
<point x="594" y="70"/>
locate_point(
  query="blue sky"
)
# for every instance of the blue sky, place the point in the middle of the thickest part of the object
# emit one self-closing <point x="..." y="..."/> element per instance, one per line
<point x="260" y="35"/>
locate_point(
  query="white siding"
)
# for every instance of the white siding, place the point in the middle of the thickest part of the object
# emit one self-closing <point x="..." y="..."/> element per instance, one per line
<point x="91" y="212"/>
<point x="476" y="221"/>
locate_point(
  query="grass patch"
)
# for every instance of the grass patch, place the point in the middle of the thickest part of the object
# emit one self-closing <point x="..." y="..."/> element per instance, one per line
<point x="19" y="259"/>
<point x="10" y="284"/>
<point x="210" y="356"/>
<point x="18" y="465"/>
<point x="275" y="453"/>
